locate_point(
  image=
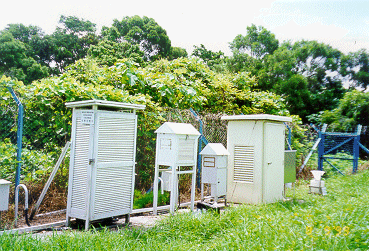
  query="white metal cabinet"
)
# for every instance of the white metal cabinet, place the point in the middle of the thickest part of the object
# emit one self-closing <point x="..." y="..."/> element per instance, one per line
<point x="4" y="194"/>
<point x="102" y="161"/>
<point x="256" y="161"/>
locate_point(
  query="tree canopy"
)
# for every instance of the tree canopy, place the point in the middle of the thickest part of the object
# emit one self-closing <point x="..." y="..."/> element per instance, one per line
<point x="355" y="65"/>
<point x="257" y="42"/>
<point x="16" y="61"/>
<point x="71" y="41"/>
<point x="308" y="74"/>
<point x="145" y="32"/>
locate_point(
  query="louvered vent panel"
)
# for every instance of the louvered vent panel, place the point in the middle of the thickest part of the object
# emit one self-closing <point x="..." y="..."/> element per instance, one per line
<point x="186" y="150"/>
<point x="243" y="164"/>
<point x="116" y="139"/>
<point x="79" y="187"/>
<point x="113" y="189"/>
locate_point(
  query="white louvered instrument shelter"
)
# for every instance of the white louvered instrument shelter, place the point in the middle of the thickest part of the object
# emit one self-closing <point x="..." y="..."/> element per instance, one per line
<point x="176" y="149"/>
<point x="256" y="161"/>
<point x="102" y="160"/>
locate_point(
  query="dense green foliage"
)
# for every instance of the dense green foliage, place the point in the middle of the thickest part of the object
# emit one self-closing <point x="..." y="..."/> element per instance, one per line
<point x="108" y="52"/>
<point x="352" y="110"/>
<point x="36" y="164"/>
<point x="177" y="52"/>
<point x="337" y="221"/>
<point x="27" y="54"/>
<point x="212" y="59"/>
<point x="356" y="66"/>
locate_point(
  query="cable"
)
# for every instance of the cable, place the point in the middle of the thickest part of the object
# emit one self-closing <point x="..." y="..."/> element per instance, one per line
<point x="26" y="216"/>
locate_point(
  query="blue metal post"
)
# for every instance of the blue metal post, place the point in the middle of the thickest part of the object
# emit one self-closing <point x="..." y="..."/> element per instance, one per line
<point x="356" y="153"/>
<point x="19" y="136"/>
<point x="202" y="140"/>
<point x="199" y="167"/>
<point x="321" y="151"/>
<point x="356" y="149"/>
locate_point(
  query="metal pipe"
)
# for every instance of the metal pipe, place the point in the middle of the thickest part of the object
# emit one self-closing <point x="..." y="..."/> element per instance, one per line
<point x="48" y="183"/>
<point x="332" y="165"/>
<point x="309" y="155"/>
<point x="162" y="185"/>
<point x="364" y="148"/>
<point x="25" y="204"/>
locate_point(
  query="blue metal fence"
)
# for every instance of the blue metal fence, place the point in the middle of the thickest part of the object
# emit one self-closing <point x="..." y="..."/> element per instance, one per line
<point x="331" y="143"/>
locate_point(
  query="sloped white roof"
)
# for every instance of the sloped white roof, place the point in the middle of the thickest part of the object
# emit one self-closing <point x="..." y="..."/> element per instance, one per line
<point x="214" y="149"/>
<point x="84" y="103"/>
<point x="258" y="117"/>
<point x="177" y="128"/>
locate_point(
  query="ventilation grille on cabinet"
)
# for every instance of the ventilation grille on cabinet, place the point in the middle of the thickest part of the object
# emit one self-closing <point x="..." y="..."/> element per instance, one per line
<point x="116" y="139"/>
<point x="186" y="152"/>
<point x="243" y="164"/>
<point x="79" y="184"/>
<point x="113" y="189"/>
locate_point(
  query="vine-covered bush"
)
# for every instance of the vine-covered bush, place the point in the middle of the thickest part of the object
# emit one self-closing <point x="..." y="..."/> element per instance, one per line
<point x="36" y="164"/>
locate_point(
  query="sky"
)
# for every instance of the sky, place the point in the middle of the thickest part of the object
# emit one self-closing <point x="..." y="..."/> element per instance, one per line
<point x="343" y="24"/>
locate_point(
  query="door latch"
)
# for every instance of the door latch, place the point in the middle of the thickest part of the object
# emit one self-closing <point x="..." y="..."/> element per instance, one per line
<point x="91" y="161"/>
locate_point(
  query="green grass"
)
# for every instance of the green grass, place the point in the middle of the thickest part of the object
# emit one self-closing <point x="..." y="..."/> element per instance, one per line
<point x="338" y="221"/>
<point x="142" y="200"/>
